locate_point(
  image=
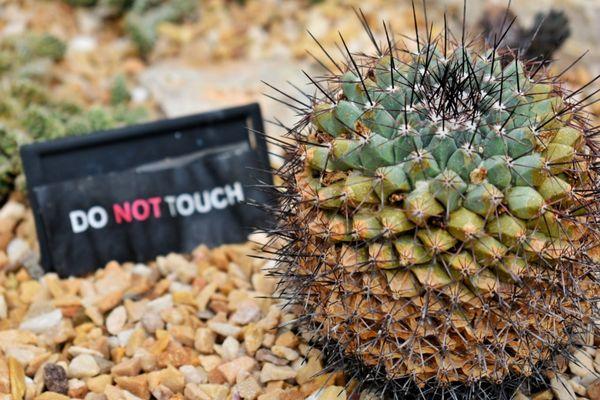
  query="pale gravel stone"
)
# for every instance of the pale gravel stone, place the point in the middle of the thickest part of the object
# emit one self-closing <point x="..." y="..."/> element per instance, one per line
<point x="116" y="320"/>
<point x="43" y="322"/>
<point x="271" y="372"/>
<point x="561" y="388"/>
<point x="193" y="374"/>
<point x="582" y="364"/>
<point x="83" y="366"/>
<point x="3" y="307"/>
<point x="224" y="329"/>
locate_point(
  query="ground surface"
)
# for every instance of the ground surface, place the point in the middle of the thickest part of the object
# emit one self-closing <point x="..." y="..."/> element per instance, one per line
<point x="198" y="326"/>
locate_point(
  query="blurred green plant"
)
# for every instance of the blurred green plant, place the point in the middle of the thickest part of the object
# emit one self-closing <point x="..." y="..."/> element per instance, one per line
<point x="142" y="17"/>
<point x="30" y="112"/>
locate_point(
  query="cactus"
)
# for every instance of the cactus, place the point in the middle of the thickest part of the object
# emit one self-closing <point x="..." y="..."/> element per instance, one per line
<point x="29" y="112"/>
<point x="436" y="212"/>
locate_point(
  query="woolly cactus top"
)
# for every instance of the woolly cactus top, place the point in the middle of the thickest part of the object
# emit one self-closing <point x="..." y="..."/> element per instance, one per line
<point x="438" y="212"/>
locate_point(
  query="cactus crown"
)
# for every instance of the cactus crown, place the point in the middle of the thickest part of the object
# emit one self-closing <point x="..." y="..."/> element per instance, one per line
<point x="439" y="214"/>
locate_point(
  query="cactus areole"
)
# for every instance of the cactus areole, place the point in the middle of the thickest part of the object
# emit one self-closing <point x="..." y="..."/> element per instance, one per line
<point x="438" y="210"/>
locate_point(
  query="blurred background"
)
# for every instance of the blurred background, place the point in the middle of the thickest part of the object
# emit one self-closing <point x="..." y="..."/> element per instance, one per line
<point x="75" y="66"/>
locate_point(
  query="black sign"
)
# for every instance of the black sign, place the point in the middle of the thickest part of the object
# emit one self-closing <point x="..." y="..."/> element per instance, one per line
<point x="134" y="193"/>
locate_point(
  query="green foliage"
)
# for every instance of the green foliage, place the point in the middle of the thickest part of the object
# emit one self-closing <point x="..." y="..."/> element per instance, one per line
<point x="29" y="111"/>
<point x="142" y="17"/>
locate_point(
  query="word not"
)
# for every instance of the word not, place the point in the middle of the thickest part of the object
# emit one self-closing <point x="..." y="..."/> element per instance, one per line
<point x="181" y="205"/>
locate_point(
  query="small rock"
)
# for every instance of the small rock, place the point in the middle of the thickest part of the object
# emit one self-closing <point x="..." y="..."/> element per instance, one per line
<point x="545" y="395"/>
<point x="224" y="329"/>
<point x="265" y="355"/>
<point x="329" y="393"/>
<point x="16" y="374"/>
<point x="206" y="392"/>
<point x="138" y="385"/>
<point x="43" y="322"/>
<point x="578" y="388"/>
<point x="98" y="383"/>
<point x="271" y="372"/>
<point x="152" y="322"/>
<point x="52" y="396"/>
<point x="593" y="391"/>
<point x="193" y="374"/>
<point x="161" y="392"/>
<point x="248" y="311"/>
<point x="248" y="389"/>
<point x="77" y="388"/>
<point x="204" y="340"/>
<point x="229" y="349"/>
<point x="3" y="307"/>
<point x="77" y="350"/>
<point x="561" y="388"/>
<point x="116" y="320"/>
<point x="168" y="377"/>
<point x="231" y="369"/>
<point x="309" y="370"/>
<point x="253" y="338"/>
<point x="130" y="367"/>
<point x="582" y="364"/>
<point x="285" y="352"/>
<point x="287" y="339"/>
<point x="55" y="379"/>
<point x="83" y="366"/>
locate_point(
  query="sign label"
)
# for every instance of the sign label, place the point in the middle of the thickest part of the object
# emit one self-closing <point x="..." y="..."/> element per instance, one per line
<point x="167" y="201"/>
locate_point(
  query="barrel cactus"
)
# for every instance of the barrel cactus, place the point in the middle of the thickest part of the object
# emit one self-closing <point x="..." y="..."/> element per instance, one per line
<point x="438" y="209"/>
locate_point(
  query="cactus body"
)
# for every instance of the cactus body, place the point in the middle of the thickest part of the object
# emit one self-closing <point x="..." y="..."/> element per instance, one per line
<point x="442" y="240"/>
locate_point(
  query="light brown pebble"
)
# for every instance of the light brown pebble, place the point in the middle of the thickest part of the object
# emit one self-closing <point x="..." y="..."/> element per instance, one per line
<point x="128" y="367"/>
<point x="253" y="338"/>
<point x="582" y="364"/>
<point x="231" y="369"/>
<point x="98" y="383"/>
<point x="545" y="395"/>
<point x="267" y="356"/>
<point x="210" y="362"/>
<point x="285" y="352"/>
<point x="116" y="320"/>
<point x="161" y="392"/>
<point x="272" y="372"/>
<point x="224" y="329"/>
<point x="204" y="340"/>
<point x="152" y="322"/>
<point x="51" y="396"/>
<point x="593" y="390"/>
<point x="168" y="377"/>
<point x="287" y="339"/>
<point x="83" y="366"/>
<point x="329" y="393"/>
<point x="112" y="392"/>
<point x="95" y="396"/>
<point x="561" y="388"/>
<point x="248" y="389"/>
<point x="193" y="374"/>
<point x="206" y="392"/>
<point x="77" y="388"/>
<point x="578" y="388"/>
<point x="229" y="350"/>
<point x="138" y="385"/>
<point x="248" y="311"/>
<point x="309" y="370"/>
